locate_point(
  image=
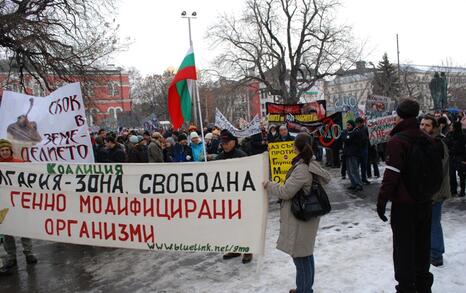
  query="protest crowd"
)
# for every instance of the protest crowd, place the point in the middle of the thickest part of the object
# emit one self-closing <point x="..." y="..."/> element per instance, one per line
<point x="415" y="222"/>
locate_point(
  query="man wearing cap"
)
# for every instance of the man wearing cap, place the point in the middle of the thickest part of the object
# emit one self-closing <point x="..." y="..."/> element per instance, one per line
<point x="6" y="156"/>
<point x="230" y="151"/>
<point x="410" y="221"/>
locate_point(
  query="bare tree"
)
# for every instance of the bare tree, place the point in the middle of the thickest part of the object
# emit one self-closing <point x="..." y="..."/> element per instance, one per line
<point x="150" y="93"/>
<point x="65" y="39"/>
<point x="415" y="83"/>
<point x="285" y="44"/>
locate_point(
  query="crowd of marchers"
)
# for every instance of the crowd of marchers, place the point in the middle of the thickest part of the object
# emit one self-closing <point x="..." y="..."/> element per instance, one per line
<point x="415" y="213"/>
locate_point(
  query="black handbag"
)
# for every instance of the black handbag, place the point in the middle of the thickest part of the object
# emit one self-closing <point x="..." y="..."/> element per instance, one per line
<point x="307" y="206"/>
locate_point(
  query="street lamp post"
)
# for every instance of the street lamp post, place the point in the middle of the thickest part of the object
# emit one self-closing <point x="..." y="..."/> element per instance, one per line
<point x="195" y="87"/>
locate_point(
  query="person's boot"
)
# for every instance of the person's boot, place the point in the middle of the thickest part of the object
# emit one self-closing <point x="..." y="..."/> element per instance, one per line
<point x="231" y="255"/>
<point x="31" y="259"/>
<point x="247" y="258"/>
<point x="11" y="264"/>
<point x="436" y="262"/>
<point x="5" y="271"/>
<point x="461" y="194"/>
<point x="292" y="290"/>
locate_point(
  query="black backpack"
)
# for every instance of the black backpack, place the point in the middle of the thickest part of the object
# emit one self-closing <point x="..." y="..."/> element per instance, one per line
<point x="422" y="172"/>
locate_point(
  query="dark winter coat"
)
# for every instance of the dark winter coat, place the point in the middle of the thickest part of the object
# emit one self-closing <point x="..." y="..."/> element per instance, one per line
<point x="272" y="137"/>
<point x="373" y="154"/>
<point x="456" y="143"/>
<point x="397" y="148"/>
<point x="116" y="155"/>
<point x="138" y="154"/>
<point x="100" y="154"/>
<point x="288" y="137"/>
<point x="155" y="152"/>
<point x="181" y="153"/>
<point x="257" y="145"/>
<point x="213" y="146"/>
<point x="235" y="153"/>
<point x="353" y="143"/>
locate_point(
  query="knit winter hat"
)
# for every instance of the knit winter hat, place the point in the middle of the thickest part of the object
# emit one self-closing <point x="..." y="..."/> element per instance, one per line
<point x="5" y="143"/>
<point x="133" y="139"/>
<point x="193" y="135"/>
<point x="408" y="109"/>
<point x="352" y="123"/>
<point x="182" y="136"/>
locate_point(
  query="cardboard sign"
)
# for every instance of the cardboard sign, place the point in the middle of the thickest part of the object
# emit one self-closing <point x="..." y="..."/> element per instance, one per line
<point x="47" y="129"/>
<point x="280" y="155"/>
<point x="380" y="128"/>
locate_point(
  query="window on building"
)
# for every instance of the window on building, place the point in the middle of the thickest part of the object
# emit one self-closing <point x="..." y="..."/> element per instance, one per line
<point x="113" y="89"/>
<point x="114" y="112"/>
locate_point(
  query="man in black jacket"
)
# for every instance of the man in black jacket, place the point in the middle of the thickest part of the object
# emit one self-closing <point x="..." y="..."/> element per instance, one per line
<point x="364" y="148"/>
<point x="259" y="142"/>
<point x="115" y="152"/>
<point x="410" y="219"/>
<point x="352" y="153"/>
<point x="231" y="151"/>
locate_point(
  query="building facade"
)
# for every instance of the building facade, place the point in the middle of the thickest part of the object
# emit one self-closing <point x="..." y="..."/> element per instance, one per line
<point x="106" y="92"/>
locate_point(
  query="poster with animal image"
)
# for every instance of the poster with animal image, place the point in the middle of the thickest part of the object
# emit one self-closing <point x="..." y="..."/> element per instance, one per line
<point x="47" y="129"/>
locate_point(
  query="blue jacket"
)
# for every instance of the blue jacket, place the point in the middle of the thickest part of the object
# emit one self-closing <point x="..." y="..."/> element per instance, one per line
<point x="198" y="152"/>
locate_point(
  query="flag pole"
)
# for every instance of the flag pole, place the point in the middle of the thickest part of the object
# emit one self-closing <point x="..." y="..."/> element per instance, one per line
<point x="200" y="119"/>
<point x="196" y="90"/>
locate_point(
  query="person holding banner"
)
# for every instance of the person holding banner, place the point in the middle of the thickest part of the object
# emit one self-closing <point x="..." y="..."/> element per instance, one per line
<point x="231" y="150"/>
<point x="297" y="238"/>
<point x="6" y="156"/>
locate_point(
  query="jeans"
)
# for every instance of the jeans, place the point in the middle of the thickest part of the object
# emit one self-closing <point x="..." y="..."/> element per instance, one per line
<point x="436" y="236"/>
<point x="10" y="246"/>
<point x="352" y="165"/>
<point x="304" y="273"/>
<point x="411" y="226"/>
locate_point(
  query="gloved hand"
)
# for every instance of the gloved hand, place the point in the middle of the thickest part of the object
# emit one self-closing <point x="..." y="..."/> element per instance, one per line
<point x="381" y="207"/>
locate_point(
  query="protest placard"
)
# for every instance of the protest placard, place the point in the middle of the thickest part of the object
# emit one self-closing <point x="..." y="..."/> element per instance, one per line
<point x="379" y="106"/>
<point x="307" y="112"/>
<point x="280" y="155"/>
<point x="380" y="128"/>
<point x="47" y="129"/>
<point x="327" y="130"/>
<point x="204" y="207"/>
<point x="251" y="128"/>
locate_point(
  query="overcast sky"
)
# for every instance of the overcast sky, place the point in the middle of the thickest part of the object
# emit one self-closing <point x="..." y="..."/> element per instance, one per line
<point x="430" y="32"/>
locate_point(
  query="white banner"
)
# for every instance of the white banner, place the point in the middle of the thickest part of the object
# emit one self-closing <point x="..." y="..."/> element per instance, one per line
<point x="219" y="206"/>
<point x="222" y="122"/>
<point x="47" y="129"/>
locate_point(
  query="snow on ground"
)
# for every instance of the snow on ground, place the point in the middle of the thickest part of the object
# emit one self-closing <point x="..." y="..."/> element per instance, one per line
<point x="353" y="254"/>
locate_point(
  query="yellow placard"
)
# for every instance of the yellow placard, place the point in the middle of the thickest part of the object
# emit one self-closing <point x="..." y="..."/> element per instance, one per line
<point x="3" y="215"/>
<point x="280" y="155"/>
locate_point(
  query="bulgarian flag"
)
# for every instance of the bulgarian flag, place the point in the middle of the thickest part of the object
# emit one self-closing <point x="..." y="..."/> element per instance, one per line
<point x="180" y="91"/>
